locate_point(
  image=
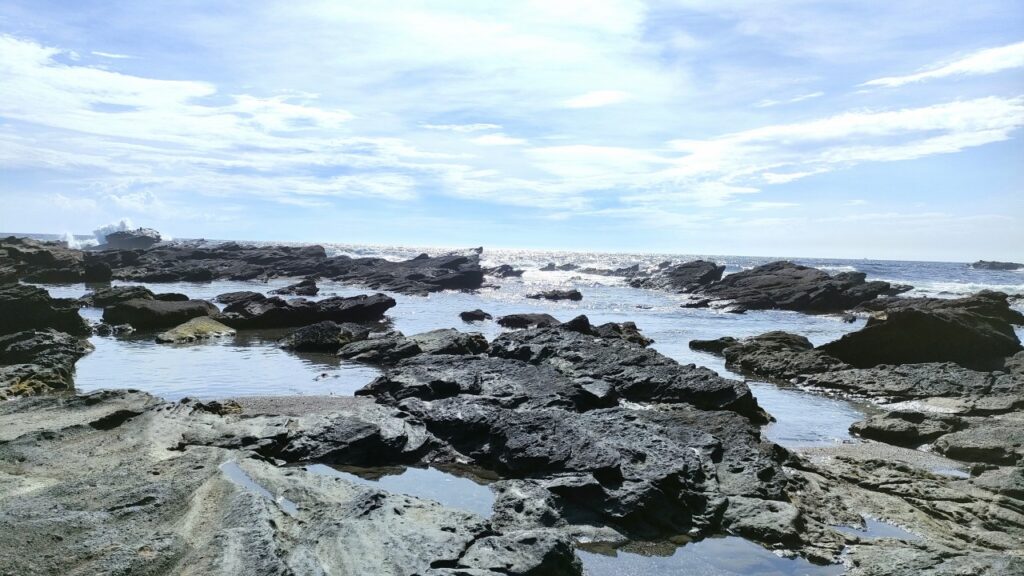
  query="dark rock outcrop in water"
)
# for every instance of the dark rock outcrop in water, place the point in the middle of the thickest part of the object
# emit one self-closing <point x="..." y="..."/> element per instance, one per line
<point x="572" y="294"/>
<point x="138" y="239"/>
<point x="528" y="321"/>
<point x="994" y="265"/>
<point x="776" y="285"/>
<point x="504" y="271"/>
<point x="233" y="261"/>
<point x="24" y="307"/>
<point x="477" y="315"/>
<point x="788" y="286"/>
<point x="306" y="287"/>
<point x="779" y="355"/>
<point x="325" y="336"/>
<point x="257" y="311"/>
<point x="154" y="314"/>
<point x="36" y="361"/>
<point x="974" y="331"/>
<point x="38" y="261"/>
<point x="686" y="277"/>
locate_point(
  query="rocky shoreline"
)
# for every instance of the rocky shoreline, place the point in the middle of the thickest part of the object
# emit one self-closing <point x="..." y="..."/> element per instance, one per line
<point x="590" y="435"/>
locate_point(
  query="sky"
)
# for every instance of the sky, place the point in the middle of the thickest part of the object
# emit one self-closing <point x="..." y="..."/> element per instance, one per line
<point x="848" y="129"/>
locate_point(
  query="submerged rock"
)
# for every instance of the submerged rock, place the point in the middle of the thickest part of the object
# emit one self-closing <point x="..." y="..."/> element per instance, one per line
<point x="572" y="294"/>
<point x="24" y="307"/>
<point x="195" y="329"/>
<point x="152" y="314"/>
<point x="326" y="336"/>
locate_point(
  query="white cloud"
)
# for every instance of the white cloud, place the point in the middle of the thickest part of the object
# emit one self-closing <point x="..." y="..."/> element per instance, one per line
<point x="768" y="103"/>
<point x="111" y="55"/>
<point x="596" y="99"/>
<point x="498" y="139"/>
<point x="759" y="206"/>
<point x="988" y="61"/>
<point x="461" y="127"/>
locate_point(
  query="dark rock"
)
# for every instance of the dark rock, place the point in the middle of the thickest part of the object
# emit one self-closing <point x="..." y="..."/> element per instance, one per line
<point x="716" y="346"/>
<point x="788" y="286"/>
<point x="702" y="303"/>
<point x="46" y="262"/>
<point x="137" y="239"/>
<point x="625" y="331"/>
<point x="103" y="297"/>
<point x="987" y="303"/>
<point x="779" y="355"/>
<point x="999" y="440"/>
<point x="326" y="336"/>
<point x="915" y="335"/>
<point x="306" y="287"/>
<point x="624" y="272"/>
<point x="236" y="297"/>
<point x="104" y="329"/>
<point x="220" y="408"/>
<point x="171" y="297"/>
<point x="97" y="272"/>
<point x="907" y="382"/>
<point x="450" y="341"/>
<point x="24" y="307"/>
<point x="421" y="275"/>
<point x="477" y="315"/>
<point x="36" y="361"/>
<point x="258" y="311"/>
<point x="637" y="373"/>
<point x="572" y="294"/>
<point x="552" y="267"/>
<point x="528" y="321"/>
<point x="686" y="277"/>
<point x="151" y="314"/>
<point x="993" y="265"/>
<point x="503" y="271"/>
<point x="381" y="348"/>
<point x="906" y="428"/>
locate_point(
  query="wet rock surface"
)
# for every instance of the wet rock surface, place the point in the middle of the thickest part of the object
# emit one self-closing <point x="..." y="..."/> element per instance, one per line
<point x="38" y="261"/>
<point x="160" y="506"/>
<point x="306" y="287"/>
<point x="528" y="321"/>
<point x="37" y="361"/>
<point x="686" y="277"/>
<point x="477" y="315"/>
<point x="326" y="336"/>
<point x="25" y="307"/>
<point x="155" y="314"/>
<point x="248" y="311"/>
<point x="789" y="286"/>
<point x="196" y="329"/>
<point x="573" y="295"/>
